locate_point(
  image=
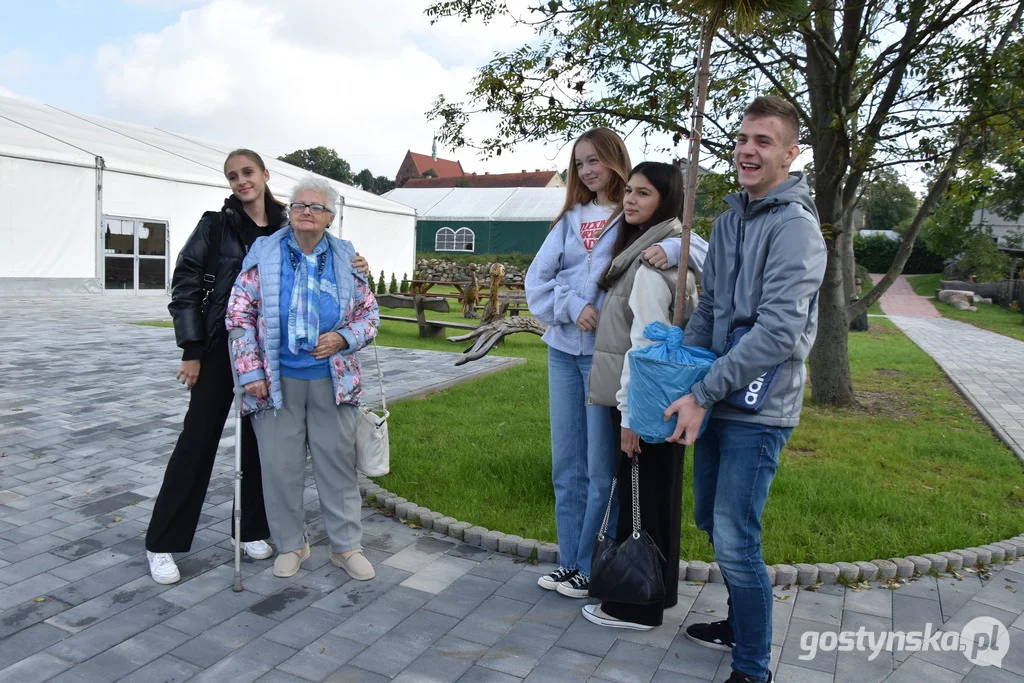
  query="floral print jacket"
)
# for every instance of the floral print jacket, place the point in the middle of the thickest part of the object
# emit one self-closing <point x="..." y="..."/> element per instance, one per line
<point x="254" y="323"/>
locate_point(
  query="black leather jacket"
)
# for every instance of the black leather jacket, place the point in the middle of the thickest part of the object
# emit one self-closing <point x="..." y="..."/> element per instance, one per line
<point x="194" y="330"/>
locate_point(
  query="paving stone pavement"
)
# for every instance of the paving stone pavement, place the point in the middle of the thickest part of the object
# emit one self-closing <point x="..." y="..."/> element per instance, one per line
<point x="901" y="299"/>
<point x="990" y="375"/>
<point x="88" y="415"/>
<point x="987" y="367"/>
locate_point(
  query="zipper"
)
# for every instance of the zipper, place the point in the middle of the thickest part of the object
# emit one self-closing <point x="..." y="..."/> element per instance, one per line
<point x="590" y="254"/>
<point x="738" y="263"/>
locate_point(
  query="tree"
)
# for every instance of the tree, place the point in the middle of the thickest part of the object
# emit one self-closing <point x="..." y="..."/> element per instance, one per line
<point x="322" y="161"/>
<point x="377" y="185"/>
<point x="382" y="287"/>
<point x="364" y="179"/>
<point x="715" y="13"/>
<point x="891" y="83"/>
<point x="382" y="184"/>
<point x="887" y="202"/>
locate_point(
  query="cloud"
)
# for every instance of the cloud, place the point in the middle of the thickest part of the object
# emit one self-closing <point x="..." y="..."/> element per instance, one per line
<point x="4" y="92"/>
<point x="357" y="77"/>
<point x="16" y="63"/>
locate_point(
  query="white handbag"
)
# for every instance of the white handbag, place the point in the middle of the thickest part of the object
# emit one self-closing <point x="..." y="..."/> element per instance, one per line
<point x="373" y="454"/>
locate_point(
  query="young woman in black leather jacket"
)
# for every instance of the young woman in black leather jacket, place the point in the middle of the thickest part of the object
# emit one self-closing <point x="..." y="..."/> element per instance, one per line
<point x="216" y="248"/>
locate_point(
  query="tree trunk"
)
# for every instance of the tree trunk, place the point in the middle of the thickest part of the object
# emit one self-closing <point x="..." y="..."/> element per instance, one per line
<point x="829" y="89"/>
<point x="926" y="209"/>
<point x="831" y="382"/>
<point x="846" y="256"/>
<point x="693" y="166"/>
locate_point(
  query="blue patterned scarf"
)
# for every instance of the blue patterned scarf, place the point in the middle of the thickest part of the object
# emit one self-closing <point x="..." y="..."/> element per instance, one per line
<point x="304" y="309"/>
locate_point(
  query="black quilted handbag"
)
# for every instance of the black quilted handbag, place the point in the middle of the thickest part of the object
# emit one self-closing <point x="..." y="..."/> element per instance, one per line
<point x="630" y="571"/>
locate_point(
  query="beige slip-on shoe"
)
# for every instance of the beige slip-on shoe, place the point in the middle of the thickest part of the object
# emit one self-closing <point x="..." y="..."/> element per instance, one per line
<point x="287" y="564"/>
<point x="355" y="563"/>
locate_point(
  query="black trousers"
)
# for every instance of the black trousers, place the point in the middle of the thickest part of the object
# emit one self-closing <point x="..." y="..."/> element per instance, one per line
<point x="661" y="501"/>
<point x="188" y="472"/>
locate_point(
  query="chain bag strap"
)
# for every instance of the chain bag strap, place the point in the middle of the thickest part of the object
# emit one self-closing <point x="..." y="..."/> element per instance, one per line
<point x="631" y="571"/>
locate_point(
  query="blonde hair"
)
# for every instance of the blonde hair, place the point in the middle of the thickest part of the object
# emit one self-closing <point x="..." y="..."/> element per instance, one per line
<point x="612" y="153"/>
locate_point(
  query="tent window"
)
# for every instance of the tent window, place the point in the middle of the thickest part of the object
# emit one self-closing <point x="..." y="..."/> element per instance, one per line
<point x="447" y="239"/>
<point x="444" y="240"/>
<point x="464" y="239"/>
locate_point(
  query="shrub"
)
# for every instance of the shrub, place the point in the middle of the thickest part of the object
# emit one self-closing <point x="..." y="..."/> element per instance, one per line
<point x="404" y="288"/>
<point x="876" y="253"/>
<point x="983" y="259"/>
<point x="393" y="286"/>
<point x="381" y="287"/>
<point x="371" y="283"/>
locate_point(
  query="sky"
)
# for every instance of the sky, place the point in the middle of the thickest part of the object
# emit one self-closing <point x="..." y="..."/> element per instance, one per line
<point x="273" y="75"/>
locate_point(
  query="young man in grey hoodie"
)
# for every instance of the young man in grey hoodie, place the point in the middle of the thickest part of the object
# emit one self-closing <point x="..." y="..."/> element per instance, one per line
<point x="764" y="266"/>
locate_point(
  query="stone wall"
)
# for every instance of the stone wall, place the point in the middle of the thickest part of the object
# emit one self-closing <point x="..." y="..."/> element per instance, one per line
<point x="450" y="271"/>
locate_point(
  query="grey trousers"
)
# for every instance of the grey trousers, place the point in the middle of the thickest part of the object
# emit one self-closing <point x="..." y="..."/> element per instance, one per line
<point x="310" y="418"/>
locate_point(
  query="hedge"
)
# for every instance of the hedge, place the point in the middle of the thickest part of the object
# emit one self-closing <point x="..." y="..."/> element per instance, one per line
<point x="877" y="252"/>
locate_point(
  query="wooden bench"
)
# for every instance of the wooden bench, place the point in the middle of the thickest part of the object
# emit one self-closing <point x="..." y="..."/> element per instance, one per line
<point x="428" y="328"/>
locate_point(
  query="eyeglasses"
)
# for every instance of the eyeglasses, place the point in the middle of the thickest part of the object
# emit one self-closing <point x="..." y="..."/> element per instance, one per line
<point x="299" y="207"/>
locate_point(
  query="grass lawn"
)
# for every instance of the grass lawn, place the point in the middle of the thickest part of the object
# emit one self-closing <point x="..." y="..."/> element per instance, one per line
<point x="991" y="317"/>
<point x="914" y="470"/>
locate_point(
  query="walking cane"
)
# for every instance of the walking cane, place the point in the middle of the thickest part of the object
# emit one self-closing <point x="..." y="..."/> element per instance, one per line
<point x="239" y="393"/>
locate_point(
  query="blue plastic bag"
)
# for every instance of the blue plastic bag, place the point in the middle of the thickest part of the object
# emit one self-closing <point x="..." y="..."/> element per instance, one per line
<point x="658" y="375"/>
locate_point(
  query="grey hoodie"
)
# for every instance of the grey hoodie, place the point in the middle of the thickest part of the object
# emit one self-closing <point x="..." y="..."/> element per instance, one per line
<point x="765" y="263"/>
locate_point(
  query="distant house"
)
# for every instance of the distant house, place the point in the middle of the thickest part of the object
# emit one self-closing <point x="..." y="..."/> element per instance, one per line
<point x="1001" y="228"/>
<point x="415" y="165"/>
<point x="536" y="178"/>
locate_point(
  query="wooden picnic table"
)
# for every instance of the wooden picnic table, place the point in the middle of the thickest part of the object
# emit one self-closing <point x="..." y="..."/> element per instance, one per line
<point x="423" y="286"/>
<point x="428" y="328"/>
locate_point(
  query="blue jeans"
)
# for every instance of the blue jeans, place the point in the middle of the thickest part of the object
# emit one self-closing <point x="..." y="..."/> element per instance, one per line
<point x="582" y="459"/>
<point x="733" y="467"/>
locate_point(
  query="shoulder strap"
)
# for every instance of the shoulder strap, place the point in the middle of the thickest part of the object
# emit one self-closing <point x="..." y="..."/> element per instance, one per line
<point x="213" y="253"/>
<point x="380" y="377"/>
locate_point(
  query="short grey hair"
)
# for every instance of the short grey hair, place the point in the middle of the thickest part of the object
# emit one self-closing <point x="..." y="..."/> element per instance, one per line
<point x="320" y="185"/>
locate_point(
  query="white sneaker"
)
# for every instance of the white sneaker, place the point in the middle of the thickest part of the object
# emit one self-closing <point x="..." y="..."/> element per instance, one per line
<point x="257" y="550"/>
<point x="595" y="615"/>
<point x="162" y="568"/>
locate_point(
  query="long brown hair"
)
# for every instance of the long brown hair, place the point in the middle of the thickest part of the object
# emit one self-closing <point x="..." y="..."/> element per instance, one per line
<point x="612" y="153"/>
<point x="258" y="160"/>
<point x="667" y="179"/>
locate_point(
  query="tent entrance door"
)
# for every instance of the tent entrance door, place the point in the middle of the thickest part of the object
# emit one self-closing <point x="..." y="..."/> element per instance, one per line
<point x="135" y="254"/>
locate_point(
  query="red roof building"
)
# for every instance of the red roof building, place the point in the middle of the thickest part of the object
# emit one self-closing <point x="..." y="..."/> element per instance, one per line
<point x="415" y="165"/>
<point x="525" y="179"/>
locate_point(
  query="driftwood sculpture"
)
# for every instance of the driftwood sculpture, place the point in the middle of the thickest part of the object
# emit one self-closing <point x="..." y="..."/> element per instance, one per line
<point x="491" y="310"/>
<point x="489" y="334"/>
<point x="470" y="294"/>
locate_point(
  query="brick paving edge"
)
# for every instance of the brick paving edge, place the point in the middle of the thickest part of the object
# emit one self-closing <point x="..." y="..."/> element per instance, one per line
<point x="801" y="574"/>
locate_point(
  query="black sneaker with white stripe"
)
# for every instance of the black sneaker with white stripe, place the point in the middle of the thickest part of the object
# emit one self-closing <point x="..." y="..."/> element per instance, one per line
<point x="549" y="582"/>
<point x="716" y="635"/>
<point x="576" y="586"/>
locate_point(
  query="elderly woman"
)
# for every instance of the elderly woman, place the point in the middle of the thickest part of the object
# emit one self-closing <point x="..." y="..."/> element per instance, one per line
<point x="297" y="315"/>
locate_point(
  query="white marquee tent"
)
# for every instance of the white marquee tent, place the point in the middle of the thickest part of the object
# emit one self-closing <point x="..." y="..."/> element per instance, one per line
<point x="93" y="205"/>
<point x="483" y="203"/>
